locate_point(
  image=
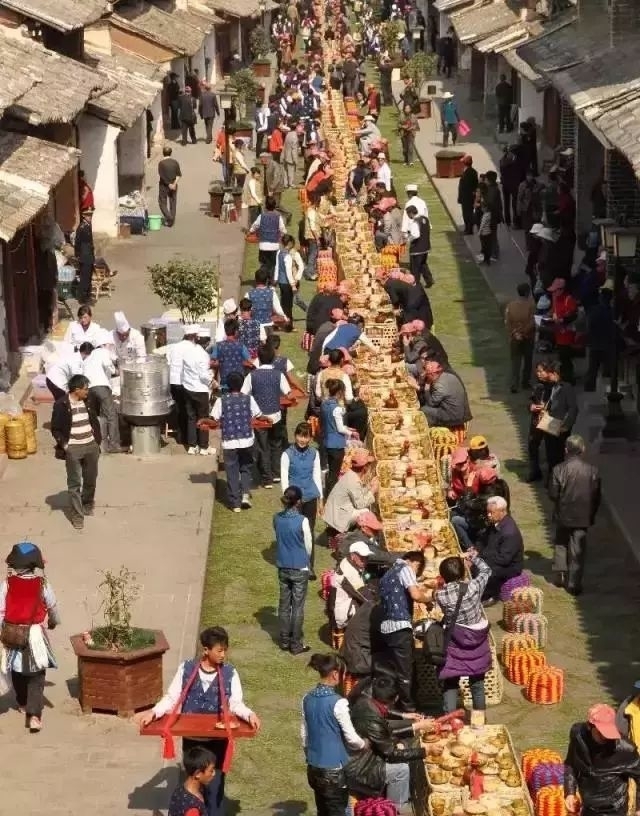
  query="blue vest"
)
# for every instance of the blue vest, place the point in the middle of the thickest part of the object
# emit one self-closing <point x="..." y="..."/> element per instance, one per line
<point x="230" y="359"/>
<point x="345" y="336"/>
<point x="269" y="229"/>
<point x="396" y="602"/>
<point x="282" y="269"/>
<point x="290" y="549"/>
<point x="184" y="802"/>
<point x="265" y="387"/>
<point x="235" y="421"/>
<point x="262" y="303"/>
<point x="249" y="335"/>
<point x="330" y="434"/>
<point x="301" y="464"/>
<point x="325" y="745"/>
<point x="280" y="364"/>
<point x="199" y="701"/>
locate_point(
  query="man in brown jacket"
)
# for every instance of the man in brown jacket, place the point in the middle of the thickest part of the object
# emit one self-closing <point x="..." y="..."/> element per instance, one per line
<point x="521" y="328"/>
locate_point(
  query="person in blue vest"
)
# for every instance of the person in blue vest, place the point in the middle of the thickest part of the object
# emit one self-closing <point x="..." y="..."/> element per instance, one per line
<point x="399" y="590"/>
<point x="202" y="681"/>
<point x="283" y="364"/>
<point x="250" y="333"/>
<point x="328" y="736"/>
<point x="270" y="227"/>
<point x="230" y="354"/>
<point x="300" y="466"/>
<point x="235" y="412"/>
<point x="334" y="431"/>
<point x="265" y="300"/>
<point x="347" y="334"/>
<point x="293" y="560"/>
<point x="267" y="385"/>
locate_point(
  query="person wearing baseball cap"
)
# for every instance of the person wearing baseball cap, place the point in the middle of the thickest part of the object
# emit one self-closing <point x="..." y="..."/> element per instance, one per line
<point x="351" y="495"/>
<point x="347" y="583"/>
<point x="480" y="454"/>
<point x="599" y="766"/>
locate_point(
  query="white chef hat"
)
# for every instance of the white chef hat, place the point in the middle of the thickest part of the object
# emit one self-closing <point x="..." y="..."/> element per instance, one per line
<point x="122" y="324"/>
<point x="229" y="306"/>
<point x="191" y="328"/>
<point x="204" y="331"/>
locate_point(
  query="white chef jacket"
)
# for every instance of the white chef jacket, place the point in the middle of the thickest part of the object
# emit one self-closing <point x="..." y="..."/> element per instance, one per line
<point x="98" y="368"/>
<point x="175" y="353"/>
<point x="76" y="334"/>
<point x="133" y="348"/>
<point x="384" y="175"/>
<point x="196" y="372"/>
<point x="62" y="370"/>
<point x="421" y="206"/>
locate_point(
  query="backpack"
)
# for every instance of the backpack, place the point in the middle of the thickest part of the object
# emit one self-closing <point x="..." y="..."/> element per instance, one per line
<point x="435" y="638"/>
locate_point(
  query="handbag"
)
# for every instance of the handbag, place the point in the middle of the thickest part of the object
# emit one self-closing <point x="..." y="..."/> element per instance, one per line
<point x="548" y="424"/>
<point x="306" y="341"/>
<point x="463" y="128"/>
<point x="16" y="635"/>
<point x="435" y="640"/>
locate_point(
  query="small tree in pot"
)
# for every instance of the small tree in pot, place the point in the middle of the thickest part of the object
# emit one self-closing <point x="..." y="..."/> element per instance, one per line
<point x="244" y="83"/>
<point x="419" y="68"/>
<point x="189" y="285"/>
<point x="119" y="665"/>
<point x="260" y="46"/>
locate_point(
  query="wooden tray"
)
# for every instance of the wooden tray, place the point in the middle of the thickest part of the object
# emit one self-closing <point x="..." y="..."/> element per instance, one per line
<point x="198" y="726"/>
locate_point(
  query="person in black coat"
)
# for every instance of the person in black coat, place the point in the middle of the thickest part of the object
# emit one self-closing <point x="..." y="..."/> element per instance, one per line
<point x="501" y="548"/>
<point x="575" y="490"/>
<point x="467" y="186"/>
<point x="208" y="109"/>
<point x="562" y="405"/>
<point x="320" y="308"/>
<point x="187" y="113"/>
<point x="510" y="178"/>
<point x="411" y="300"/>
<point x="383" y="765"/>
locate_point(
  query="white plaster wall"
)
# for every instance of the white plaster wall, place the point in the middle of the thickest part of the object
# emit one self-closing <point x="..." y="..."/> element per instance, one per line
<point x="158" y="129"/>
<point x="132" y="149"/>
<point x="99" y="160"/>
<point x="4" y="357"/>
<point x="210" y="54"/>
<point x="197" y="62"/>
<point x="531" y="102"/>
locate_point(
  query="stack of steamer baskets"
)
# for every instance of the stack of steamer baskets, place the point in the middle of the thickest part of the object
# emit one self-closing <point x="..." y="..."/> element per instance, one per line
<point x="411" y="500"/>
<point x="18" y="434"/>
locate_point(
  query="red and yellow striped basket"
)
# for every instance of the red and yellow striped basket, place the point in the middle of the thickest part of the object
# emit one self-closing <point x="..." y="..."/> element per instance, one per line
<point x="513" y="642"/>
<point x="545" y="685"/>
<point x="522" y="663"/>
<point x="534" y="756"/>
<point x="530" y="623"/>
<point x="531" y="595"/>
<point x="514" y="607"/>
<point x="550" y="801"/>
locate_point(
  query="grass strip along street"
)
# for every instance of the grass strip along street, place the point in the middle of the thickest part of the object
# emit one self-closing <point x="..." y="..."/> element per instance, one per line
<point x="589" y="637"/>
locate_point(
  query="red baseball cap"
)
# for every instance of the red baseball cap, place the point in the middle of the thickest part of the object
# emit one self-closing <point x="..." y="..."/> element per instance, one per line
<point x="603" y="718"/>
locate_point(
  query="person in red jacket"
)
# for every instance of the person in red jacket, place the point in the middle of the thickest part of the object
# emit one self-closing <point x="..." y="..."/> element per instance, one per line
<point x="564" y="309"/>
<point x="27" y="604"/>
<point x="275" y="142"/>
<point x="463" y="475"/>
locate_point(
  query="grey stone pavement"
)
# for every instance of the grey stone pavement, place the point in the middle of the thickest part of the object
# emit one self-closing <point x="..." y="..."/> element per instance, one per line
<point x="152" y="515"/>
<point x="616" y="458"/>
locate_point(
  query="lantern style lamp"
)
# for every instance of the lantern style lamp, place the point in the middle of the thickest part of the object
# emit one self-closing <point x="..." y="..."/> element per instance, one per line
<point x="605" y="225"/>
<point x="262" y="7"/>
<point x="624" y="241"/>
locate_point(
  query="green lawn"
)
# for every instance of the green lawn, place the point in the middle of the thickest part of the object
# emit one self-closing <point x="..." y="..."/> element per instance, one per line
<point x="591" y="638"/>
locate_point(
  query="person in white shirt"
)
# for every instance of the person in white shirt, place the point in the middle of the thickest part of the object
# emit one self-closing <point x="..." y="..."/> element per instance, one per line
<point x="128" y="343"/>
<point x="61" y="370"/>
<point x="333" y="372"/>
<point x="346" y="579"/>
<point x="203" y="681"/>
<point x="288" y="274"/>
<point x="261" y="124"/>
<point x="196" y="379"/>
<point x="98" y="368"/>
<point x="267" y="385"/>
<point x="82" y="330"/>
<point x="384" y="171"/>
<point x="229" y="310"/>
<point x="414" y="201"/>
<point x="252" y="194"/>
<point x="175" y="353"/>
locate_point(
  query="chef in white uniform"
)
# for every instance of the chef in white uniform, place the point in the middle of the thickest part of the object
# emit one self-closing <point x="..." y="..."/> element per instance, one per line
<point x="98" y="367"/>
<point x="175" y="353"/>
<point x="127" y="342"/>
<point x="196" y="383"/>
<point x="66" y="364"/>
<point x="84" y="329"/>
<point x="414" y="200"/>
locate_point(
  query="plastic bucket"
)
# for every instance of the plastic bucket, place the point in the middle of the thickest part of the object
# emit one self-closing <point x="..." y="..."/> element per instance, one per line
<point x="155" y="223"/>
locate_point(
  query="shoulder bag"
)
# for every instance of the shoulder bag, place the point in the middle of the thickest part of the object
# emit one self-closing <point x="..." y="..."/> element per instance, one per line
<point x="16" y="635"/>
<point x="548" y="424"/>
<point x="435" y="640"/>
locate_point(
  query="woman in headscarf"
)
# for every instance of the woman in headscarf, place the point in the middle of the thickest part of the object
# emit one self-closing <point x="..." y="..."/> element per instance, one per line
<point x="27" y="602"/>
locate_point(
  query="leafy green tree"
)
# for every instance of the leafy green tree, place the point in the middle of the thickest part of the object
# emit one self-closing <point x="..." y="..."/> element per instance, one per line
<point x="187" y="284"/>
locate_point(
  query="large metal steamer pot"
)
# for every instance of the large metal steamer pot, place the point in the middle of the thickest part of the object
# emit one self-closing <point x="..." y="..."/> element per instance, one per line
<point x="155" y="336"/>
<point x="144" y="390"/>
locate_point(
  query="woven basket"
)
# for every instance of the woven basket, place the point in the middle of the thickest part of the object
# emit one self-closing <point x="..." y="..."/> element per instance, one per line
<point x="428" y="694"/>
<point x="444" y="540"/>
<point x="390" y="447"/>
<point x="534" y="756"/>
<point x="390" y="510"/>
<point x="16" y="439"/>
<point x="388" y="471"/>
<point x="532" y="624"/>
<point x="545" y="686"/>
<point x="4" y="418"/>
<point x="530" y="595"/>
<point x="513" y="642"/>
<point x="545" y="774"/>
<point x="382" y="335"/>
<point x="493" y="682"/>
<point x="512" y="608"/>
<point x="382" y="422"/>
<point x="441" y="803"/>
<point x="511" y="584"/>
<point x="522" y="663"/>
<point x="550" y="801"/>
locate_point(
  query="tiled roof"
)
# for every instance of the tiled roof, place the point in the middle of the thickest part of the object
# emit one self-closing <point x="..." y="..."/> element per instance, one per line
<point x="168" y="30"/>
<point x="620" y="125"/>
<point x="507" y="38"/>
<point x="446" y="6"/>
<point x="199" y="17"/>
<point x="132" y="94"/>
<point x="239" y="8"/>
<point x="560" y="49"/>
<point x="62" y="85"/>
<point x="29" y="169"/>
<point x="482" y="20"/>
<point x="522" y="67"/>
<point x="16" y="78"/>
<point x="64" y="15"/>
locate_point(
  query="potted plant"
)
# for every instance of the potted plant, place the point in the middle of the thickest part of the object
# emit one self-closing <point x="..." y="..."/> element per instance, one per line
<point x="260" y="46"/>
<point x="244" y="83"/>
<point x="242" y="129"/>
<point x="419" y="68"/>
<point x="189" y="285"/>
<point x="119" y="665"/>
<point x="449" y="163"/>
<point x="260" y="93"/>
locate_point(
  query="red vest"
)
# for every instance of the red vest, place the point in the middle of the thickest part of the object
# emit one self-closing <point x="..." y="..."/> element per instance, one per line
<point x="25" y="602"/>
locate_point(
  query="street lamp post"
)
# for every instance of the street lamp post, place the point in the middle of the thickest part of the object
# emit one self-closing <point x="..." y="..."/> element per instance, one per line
<point x="622" y="242"/>
<point x="262" y="8"/>
<point x="227" y="97"/>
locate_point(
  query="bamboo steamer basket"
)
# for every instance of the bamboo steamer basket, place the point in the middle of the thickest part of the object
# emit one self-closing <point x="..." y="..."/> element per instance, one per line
<point x="29" y="421"/>
<point x="4" y="418"/>
<point x="16" y="436"/>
